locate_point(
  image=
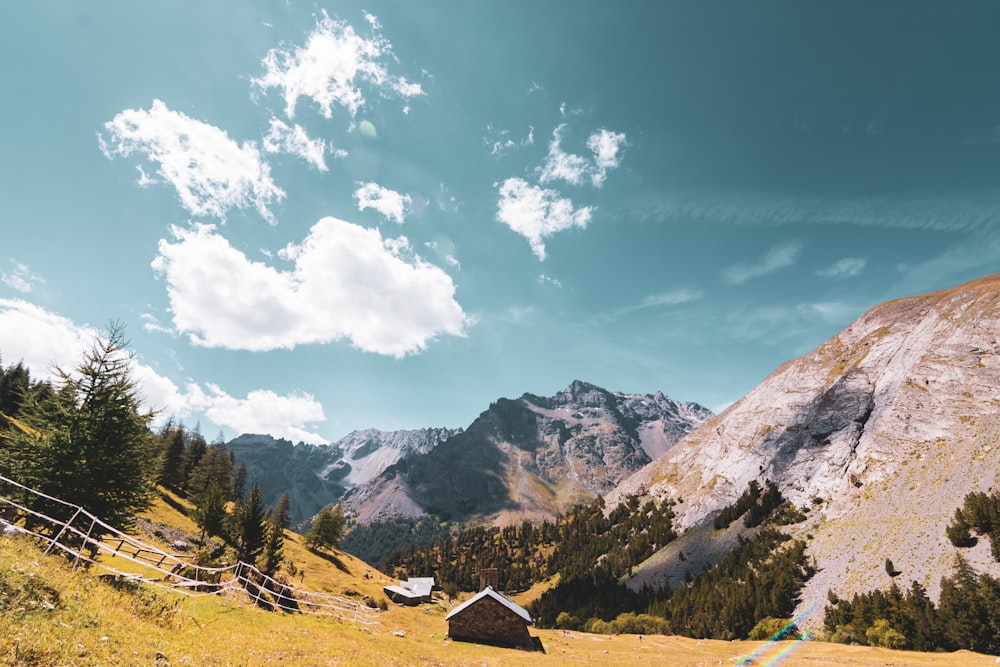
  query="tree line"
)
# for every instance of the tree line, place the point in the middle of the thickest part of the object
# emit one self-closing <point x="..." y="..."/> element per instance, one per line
<point x="967" y="615"/>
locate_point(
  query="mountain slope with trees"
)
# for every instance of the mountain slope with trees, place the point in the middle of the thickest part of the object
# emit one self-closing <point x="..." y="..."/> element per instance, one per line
<point x="882" y="430"/>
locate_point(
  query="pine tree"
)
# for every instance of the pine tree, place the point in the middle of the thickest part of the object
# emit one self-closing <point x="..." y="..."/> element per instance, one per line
<point x="215" y="467"/>
<point x="95" y="449"/>
<point x="249" y="528"/>
<point x="15" y="383"/>
<point x="958" y="531"/>
<point x="193" y="454"/>
<point x="172" y="465"/>
<point x="240" y="482"/>
<point x="274" y="542"/>
<point x="283" y="511"/>
<point x="327" y="528"/>
<point x="210" y="512"/>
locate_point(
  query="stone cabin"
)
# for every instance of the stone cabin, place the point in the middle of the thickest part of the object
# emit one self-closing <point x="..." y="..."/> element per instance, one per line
<point x="490" y="617"/>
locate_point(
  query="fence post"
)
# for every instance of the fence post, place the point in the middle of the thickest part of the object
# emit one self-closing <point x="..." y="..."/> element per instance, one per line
<point x="63" y="529"/>
<point x="86" y="541"/>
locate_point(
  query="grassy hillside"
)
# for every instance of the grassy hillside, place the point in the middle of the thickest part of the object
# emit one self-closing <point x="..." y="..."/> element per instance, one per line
<point x="54" y="615"/>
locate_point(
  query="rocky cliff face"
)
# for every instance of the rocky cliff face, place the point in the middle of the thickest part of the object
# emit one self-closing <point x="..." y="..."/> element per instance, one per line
<point x="531" y="458"/>
<point x="317" y="475"/>
<point x="881" y="430"/>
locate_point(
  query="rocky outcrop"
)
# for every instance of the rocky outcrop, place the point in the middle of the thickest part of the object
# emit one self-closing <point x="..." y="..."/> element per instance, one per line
<point x="881" y="430"/>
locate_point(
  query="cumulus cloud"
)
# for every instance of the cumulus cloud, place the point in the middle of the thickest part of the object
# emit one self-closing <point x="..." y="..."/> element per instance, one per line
<point x="211" y="173"/>
<point x="22" y="278"/>
<point x="294" y="139"/>
<point x="536" y="213"/>
<point x="264" y="411"/>
<point x="391" y="204"/>
<point x="779" y="257"/>
<point x="332" y="67"/>
<point x="45" y="340"/>
<point x="845" y="268"/>
<point x="41" y="339"/>
<point x="347" y="283"/>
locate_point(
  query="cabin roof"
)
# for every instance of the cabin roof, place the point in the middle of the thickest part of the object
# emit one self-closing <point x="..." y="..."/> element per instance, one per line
<point x="499" y="597"/>
<point x="413" y="588"/>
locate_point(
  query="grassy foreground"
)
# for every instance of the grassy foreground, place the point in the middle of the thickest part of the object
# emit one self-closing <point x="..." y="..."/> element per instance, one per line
<point x="51" y="614"/>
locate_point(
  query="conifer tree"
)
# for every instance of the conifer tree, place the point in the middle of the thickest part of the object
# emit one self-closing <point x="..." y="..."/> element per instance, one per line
<point x="274" y="542"/>
<point x="327" y="528"/>
<point x="210" y="512"/>
<point x="240" y="482"/>
<point x="214" y="467"/>
<point x="195" y="450"/>
<point x="283" y="511"/>
<point x="958" y="531"/>
<point x="172" y="465"/>
<point x="95" y="449"/>
<point x="249" y="526"/>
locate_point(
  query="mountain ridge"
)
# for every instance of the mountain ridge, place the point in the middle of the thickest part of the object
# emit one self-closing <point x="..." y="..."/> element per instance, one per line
<point x="526" y="458"/>
<point x="881" y="430"/>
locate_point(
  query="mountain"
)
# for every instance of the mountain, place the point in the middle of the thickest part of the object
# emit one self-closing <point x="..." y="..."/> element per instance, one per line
<point x="317" y="475"/>
<point x="880" y="432"/>
<point x="531" y="458"/>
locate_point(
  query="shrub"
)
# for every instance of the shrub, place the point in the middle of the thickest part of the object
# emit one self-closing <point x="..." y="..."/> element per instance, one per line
<point x="773" y="629"/>
<point x="884" y="635"/>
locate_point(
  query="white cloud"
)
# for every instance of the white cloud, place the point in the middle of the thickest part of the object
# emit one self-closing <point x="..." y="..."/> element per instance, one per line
<point x="45" y="340"/>
<point x="606" y="147"/>
<point x="391" y="204"/>
<point x="264" y="411"/>
<point x="499" y="142"/>
<point x="331" y="68"/>
<point x="295" y="140"/>
<point x="347" y="282"/>
<point x="22" y="278"/>
<point x="42" y="340"/>
<point x="779" y="257"/>
<point x="536" y="213"/>
<point x="560" y="165"/>
<point x="548" y="280"/>
<point x="151" y="324"/>
<point x="211" y="173"/>
<point x="845" y="268"/>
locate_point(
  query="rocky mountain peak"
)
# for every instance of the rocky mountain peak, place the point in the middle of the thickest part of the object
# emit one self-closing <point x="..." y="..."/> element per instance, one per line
<point x="532" y="457"/>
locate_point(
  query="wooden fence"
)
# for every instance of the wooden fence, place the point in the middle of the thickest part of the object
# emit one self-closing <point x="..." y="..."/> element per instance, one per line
<point x="84" y="538"/>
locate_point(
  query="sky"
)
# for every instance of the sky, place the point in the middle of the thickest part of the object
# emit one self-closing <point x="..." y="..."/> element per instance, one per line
<point x="313" y="218"/>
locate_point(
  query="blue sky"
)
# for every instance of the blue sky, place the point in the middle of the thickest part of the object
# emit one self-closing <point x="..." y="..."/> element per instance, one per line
<point x="314" y="218"/>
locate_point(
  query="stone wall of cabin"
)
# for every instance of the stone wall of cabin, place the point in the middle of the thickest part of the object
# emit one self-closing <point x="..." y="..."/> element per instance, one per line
<point x="490" y="622"/>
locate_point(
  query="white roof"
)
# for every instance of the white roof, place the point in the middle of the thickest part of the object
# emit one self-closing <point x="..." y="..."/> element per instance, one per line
<point x="419" y="585"/>
<point x="414" y="587"/>
<point x="499" y="597"/>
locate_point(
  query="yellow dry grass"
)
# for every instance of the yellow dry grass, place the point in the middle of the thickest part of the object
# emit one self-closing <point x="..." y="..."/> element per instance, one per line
<point x="54" y="615"/>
